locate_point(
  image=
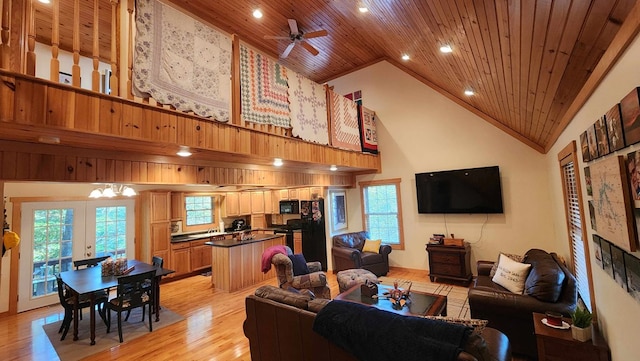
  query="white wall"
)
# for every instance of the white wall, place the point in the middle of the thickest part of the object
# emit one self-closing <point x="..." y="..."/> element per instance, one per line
<point x="420" y="130"/>
<point x="615" y="307"/>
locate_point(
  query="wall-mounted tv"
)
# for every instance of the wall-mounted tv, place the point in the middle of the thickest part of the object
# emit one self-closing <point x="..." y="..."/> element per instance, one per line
<point x="475" y="190"/>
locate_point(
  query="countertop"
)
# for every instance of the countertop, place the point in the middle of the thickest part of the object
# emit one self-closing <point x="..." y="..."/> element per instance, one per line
<point x="203" y="235"/>
<point x="233" y="242"/>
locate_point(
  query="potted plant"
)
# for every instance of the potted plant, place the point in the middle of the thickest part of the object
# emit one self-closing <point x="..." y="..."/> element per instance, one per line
<point x="581" y="324"/>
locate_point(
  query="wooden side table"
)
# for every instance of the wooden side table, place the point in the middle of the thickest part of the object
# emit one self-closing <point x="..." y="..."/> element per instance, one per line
<point x="558" y="345"/>
<point x="450" y="262"/>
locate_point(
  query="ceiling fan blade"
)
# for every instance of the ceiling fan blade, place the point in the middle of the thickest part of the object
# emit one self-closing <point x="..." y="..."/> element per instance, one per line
<point x="293" y="25"/>
<point x="286" y="51"/>
<point x="276" y="37"/>
<point x="309" y="48"/>
<point x="316" y="34"/>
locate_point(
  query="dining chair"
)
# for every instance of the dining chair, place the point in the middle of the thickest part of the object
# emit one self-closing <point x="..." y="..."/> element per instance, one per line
<point x="89" y="262"/>
<point x="67" y="299"/>
<point x="133" y="292"/>
<point x="157" y="261"/>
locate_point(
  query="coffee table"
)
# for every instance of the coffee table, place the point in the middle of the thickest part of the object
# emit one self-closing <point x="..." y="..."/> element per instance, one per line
<point x="420" y="303"/>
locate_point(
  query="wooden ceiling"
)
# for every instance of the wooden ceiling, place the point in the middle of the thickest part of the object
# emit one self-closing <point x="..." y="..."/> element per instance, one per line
<point x="526" y="60"/>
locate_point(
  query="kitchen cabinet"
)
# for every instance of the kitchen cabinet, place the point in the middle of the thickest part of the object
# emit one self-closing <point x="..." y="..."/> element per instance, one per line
<point x="284" y="194"/>
<point x="177" y="205"/>
<point x="268" y="202"/>
<point x="153" y="225"/>
<point x="258" y="221"/>
<point x="316" y="192"/>
<point x="180" y="258"/>
<point x="293" y="194"/>
<point x="257" y="202"/>
<point x="245" y="203"/>
<point x="304" y="194"/>
<point x="297" y="242"/>
<point x="232" y="204"/>
<point x="200" y="255"/>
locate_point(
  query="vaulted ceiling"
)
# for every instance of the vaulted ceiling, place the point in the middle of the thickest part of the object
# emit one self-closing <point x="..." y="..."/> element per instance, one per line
<point x="526" y="61"/>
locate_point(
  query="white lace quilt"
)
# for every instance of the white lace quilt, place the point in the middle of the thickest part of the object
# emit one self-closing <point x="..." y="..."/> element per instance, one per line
<point x="308" y="103"/>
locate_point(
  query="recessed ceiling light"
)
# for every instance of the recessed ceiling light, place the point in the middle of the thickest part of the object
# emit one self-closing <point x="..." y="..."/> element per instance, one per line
<point x="184" y="152"/>
<point x="363" y="9"/>
<point x="446" y="49"/>
<point x="333" y="168"/>
<point x="277" y="162"/>
<point x="469" y="92"/>
<point x="405" y="57"/>
<point x="257" y="13"/>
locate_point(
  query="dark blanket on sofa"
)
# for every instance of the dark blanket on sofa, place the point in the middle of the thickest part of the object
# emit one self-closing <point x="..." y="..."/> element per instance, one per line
<point x="371" y="334"/>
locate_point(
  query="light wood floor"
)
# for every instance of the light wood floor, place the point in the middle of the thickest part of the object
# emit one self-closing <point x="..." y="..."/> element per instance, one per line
<point x="212" y="329"/>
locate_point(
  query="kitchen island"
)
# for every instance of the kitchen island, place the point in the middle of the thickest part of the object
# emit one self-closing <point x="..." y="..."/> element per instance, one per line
<point x="236" y="263"/>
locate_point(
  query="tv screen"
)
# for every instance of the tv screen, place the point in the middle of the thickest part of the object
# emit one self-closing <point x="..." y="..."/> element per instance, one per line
<point x="475" y="190"/>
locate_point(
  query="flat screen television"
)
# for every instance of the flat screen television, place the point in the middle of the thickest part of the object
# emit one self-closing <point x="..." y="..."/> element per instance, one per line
<point x="475" y="190"/>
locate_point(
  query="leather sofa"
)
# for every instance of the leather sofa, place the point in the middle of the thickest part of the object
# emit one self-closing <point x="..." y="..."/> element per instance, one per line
<point x="347" y="254"/>
<point x="511" y="313"/>
<point x="279" y="326"/>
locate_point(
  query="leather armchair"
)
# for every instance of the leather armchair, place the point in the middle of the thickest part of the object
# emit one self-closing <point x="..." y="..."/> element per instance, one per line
<point x="347" y="254"/>
<point x="315" y="280"/>
<point x="511" y="313"/>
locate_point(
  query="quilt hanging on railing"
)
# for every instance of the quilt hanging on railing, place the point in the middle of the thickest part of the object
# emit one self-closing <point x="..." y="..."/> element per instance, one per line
<point x="180" y="61"/>
<point x="368" y="131"/>
<point x="265" y="89"/>
<point x="308" y="102"/>
<point x="345" y="133"/>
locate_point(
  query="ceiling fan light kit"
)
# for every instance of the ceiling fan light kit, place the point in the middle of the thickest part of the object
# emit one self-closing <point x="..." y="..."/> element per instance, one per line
<point x="296" y="36"/>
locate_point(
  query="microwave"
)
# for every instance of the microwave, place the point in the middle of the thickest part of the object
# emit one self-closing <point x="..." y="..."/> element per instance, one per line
<point x="290" y="207"/>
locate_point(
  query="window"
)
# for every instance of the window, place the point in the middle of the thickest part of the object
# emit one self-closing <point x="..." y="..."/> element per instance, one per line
<point x="199" y="210"/>
<point x="574" y="214"/>
<point x="382" y="211"/>
<point x="111" y="231"/>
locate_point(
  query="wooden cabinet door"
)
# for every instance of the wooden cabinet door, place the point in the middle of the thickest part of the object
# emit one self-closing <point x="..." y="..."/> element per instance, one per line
<point x="200" y="255"/>
<point x="257" y="203"/>
<point x="297" y="242"/>
<point x="245" y="203"/>
<point x="304" y="194"/>
<point x="160" y="206"/>
<point x="160" y="233"/>
<point x="268" y="202"/>
<point x="177" y="205"/>
<point x="293" y="194"/>
<point x="316" y="192"/>
<point x="232" y="204"/>
<point x="258" y="221"/>
<point x="181" y="258"/>
<point x="284" y="194"/>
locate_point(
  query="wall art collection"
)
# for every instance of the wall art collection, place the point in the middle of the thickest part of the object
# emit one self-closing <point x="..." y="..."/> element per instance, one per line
<point x="613" y="183"/>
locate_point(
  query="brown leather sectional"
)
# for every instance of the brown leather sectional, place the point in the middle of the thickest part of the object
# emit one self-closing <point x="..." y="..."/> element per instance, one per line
<point x="279" y="328"/>
<point x="347" y="254"/>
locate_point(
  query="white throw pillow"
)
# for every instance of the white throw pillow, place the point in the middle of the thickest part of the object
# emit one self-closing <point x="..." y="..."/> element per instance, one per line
<point x="511" y="274"/>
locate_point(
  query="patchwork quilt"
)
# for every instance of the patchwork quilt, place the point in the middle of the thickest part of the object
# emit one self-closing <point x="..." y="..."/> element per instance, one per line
<point x="308" y="103"/>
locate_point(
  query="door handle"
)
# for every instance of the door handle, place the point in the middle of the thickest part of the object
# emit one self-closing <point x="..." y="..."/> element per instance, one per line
<point x="89" y="247"/>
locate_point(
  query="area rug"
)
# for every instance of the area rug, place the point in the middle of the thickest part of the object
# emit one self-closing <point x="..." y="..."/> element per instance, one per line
<point x="75" y="350"/>
<point x="457" y="299"/>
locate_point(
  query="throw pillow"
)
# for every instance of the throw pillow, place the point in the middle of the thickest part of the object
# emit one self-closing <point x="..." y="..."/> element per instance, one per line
<point x="371" y="246"/>
<point x="511" y="274"/>
<point x="477" y="324"/>
<point x="546" y="277"/>
<point x="299" y="264"/>
<point x="515" y="257"/>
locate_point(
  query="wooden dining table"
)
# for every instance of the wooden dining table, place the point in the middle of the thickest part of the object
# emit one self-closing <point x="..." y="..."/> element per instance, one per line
<point x="87" y="281"/>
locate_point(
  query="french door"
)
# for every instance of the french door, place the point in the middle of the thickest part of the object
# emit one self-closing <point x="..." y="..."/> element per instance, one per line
<point x="56" y="233"/>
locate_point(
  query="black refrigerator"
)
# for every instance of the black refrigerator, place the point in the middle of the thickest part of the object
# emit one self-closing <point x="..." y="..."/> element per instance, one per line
<point x="314" y="237"/>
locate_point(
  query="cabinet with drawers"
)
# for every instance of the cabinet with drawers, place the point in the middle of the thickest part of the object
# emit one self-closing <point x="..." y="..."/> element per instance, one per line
<point x="452" y="262"/>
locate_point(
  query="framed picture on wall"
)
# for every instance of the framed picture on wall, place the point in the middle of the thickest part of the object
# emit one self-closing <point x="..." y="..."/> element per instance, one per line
<point x="633" y="275"/>
<point x="606" y="257"/>
<point x="587" y="180"/>
<point x="65" y="78"/>
<point x="584" y="146"/>
<point x="630" y="113"/>
<point x="591" y="141"/>
<point x="592" y="216"/>
<point x="338" y="201"/>
<point x="614" y="128"/>
<point x="597" y="250"/>
<point x="601" y="136"/>
<point x="612" y="202"/>
<point x="619" y="271"/>
<point x="633" y="174"/>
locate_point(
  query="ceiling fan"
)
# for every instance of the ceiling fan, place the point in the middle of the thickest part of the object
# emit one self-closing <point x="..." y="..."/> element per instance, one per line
<point x="296" y="36"/>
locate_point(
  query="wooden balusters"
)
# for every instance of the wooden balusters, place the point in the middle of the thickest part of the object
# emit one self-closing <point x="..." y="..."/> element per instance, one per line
<point x="75" y="68"/>
<point x="31" y="39"/>
<point x="131" y="47"/>
<point x="95" y="74"/>
<point x="4" y="34"/>
<point x="55" y="41"/>
<point x="114" y="82"/>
